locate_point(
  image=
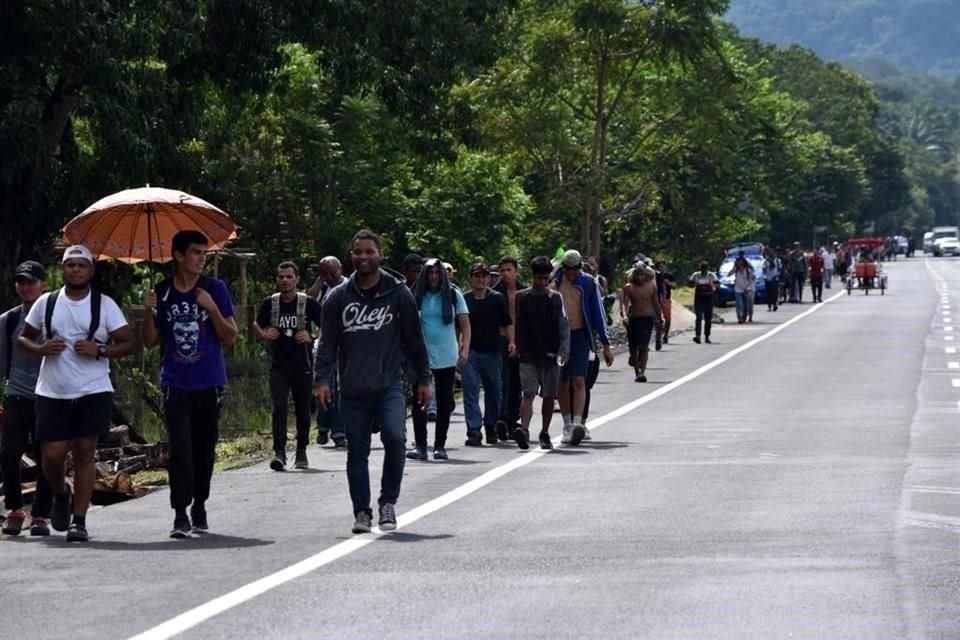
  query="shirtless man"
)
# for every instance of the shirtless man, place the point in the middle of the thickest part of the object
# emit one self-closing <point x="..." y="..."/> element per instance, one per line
<point x="641" y="312"/>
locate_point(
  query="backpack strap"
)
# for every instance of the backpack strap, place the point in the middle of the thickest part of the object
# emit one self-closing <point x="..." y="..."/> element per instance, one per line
<point x="96" y="300"/>
<point x="301" y="311"/>
<point x="48" y="313"/>
<point x="13" y="319"/>
<point x="275" y="310"/>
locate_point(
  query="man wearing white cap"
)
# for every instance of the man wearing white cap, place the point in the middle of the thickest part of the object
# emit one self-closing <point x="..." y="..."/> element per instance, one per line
<point x="581" y="299"/>
<point x="76" y="330"/>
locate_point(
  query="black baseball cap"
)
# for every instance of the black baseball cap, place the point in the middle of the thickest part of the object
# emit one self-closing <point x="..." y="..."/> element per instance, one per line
<point x="30" y="270"/>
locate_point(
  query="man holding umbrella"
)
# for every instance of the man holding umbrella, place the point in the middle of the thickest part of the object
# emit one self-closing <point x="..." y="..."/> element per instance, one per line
<point x="192" y="317"/>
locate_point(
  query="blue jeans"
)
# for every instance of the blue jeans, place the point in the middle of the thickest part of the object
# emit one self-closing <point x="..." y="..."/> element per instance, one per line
<point x="483" y="368"/>
<point x="741" y="300"/>
<point x="389" y="408"/>
<point x="330" y="419"/>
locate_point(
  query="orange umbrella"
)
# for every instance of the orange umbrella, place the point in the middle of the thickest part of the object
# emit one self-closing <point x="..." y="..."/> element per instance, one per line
<point x="139" y="224"/>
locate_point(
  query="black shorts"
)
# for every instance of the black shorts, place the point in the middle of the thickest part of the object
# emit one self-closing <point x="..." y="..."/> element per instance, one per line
<point x="83" y="417"/>
<point x="639" y="331"/>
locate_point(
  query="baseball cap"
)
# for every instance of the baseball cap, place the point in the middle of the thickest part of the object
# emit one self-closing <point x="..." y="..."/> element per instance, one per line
<point x="30" y="270"/>
<point x="479" y="267"/>
<point x="572" y="259"/>
<point x="77" y="251"/>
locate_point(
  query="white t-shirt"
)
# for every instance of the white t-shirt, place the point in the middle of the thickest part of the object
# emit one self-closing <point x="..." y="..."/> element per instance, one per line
<point x="828" y="259"/>
<point x="70" y="375"/>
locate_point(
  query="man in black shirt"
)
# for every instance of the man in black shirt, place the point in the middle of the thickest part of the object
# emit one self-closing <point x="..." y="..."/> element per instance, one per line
<point x="488" y="318"/>
<point x="284" y="321"/>
<point x="508" y="286"/>
<point x="543" y="346"/>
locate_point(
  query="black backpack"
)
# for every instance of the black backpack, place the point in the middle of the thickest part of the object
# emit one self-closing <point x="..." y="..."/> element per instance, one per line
<point x="95" y="302"/>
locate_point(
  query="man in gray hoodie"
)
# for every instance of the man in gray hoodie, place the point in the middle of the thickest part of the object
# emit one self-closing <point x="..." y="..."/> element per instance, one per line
<point x="370" y="327"/>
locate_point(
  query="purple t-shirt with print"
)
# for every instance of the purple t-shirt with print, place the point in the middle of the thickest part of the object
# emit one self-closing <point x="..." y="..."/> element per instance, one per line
<point x="192" y="355"/>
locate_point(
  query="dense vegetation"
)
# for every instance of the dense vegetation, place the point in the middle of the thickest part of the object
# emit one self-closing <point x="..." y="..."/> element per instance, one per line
<point x="919" y="34"/>
<point x="461" y="128"/>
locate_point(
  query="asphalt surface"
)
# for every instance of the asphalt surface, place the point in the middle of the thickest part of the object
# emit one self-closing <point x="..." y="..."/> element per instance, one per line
<point x="806" y="487"/>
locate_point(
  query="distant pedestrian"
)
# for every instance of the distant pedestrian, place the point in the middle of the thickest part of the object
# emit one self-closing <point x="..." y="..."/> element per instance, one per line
<point x="19" y="371"/>
<point x="815" y="267"/>
<point x="798" y="272"/>
<point x="370" y="331"/>
<point x="442" y="312"/>
<point x="771" y="279"/>
<point x="284" y="321"/>
<point x="584" y="309"/>
<point x="666" y="283"/>
<point x="329" y="421"/>
<point x="510" y="284"/>
<point x="192" y="320"/>
<point x="489" y="319"/>
<point x="76" y="330"/>
<point x="494" y="278"/>
<point x="829" y="262"/>
<point x="744" y="280"/>
<point x="412" y="266"/>
<point x="641" y="313"/>
<point x="704" y="283"/>
<point x="543" y="345"/>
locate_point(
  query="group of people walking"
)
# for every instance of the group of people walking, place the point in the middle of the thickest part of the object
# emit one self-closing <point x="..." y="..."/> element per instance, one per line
<point x="354" y="351"/>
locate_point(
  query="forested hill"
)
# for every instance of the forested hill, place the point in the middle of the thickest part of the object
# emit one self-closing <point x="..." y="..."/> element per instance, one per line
<point x="918" y="34"/>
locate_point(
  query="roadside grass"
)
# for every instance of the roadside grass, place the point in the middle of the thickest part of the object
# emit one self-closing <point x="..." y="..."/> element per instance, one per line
<point x="684" y="296"/>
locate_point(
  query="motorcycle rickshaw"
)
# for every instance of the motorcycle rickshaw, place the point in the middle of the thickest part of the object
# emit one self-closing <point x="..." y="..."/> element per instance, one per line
<point x="866" y="272"/>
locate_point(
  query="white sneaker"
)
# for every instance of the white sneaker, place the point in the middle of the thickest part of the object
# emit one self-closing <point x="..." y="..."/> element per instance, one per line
<point x="567" y="437"/>
<point x="586" y="433"/>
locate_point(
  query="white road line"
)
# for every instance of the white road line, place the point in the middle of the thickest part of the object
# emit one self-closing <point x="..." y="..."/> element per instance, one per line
<point x="953" y="365"/>
<point x="950" y="350"/>
<point x="204" y="612"/>
<point x="932" y="521"/>
<point x="926" y="488"/>
<point x="956" y="383"/>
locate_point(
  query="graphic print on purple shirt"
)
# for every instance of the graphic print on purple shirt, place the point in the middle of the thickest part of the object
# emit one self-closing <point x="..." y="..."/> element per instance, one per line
<point x="192" y="355"/>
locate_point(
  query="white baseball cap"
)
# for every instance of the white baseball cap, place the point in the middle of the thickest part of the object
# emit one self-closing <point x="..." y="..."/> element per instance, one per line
<point x="77" y="251"/>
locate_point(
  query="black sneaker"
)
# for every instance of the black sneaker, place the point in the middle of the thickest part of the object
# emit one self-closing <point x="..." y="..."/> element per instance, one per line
<point x="60" y="513"/>
<point x="279" y="463"/>
<point x="697" y="339"/>
<point x="707" y="339"/>
<point x="198" y="515"/>
<point x="439" y="453"/>
<point x="301" y="460"/>
<point x="502" y="432"/>
<point x="492" y="437"/>
<point x="323" y="437"/>
<point x="388" y="517"/>
<point x="77" y="533"/>
<point x="39" y="526"/>
<point x="181" y="528"/>
<point x="417" y="453"/>
<point x="545" y="442"/>
<point x="659" y="344"/>
<point x="363" y="522"/>
<point x="13" y="523"/>
<point x="666" y="339"/>
<point x="522" y="436"/>
<point x="474" y="439"/>
<point x="340" y="442"/>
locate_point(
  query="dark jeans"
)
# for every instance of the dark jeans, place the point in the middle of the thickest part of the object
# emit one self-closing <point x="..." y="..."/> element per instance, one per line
<point x="593" y="372"/>
<point x="772" y="293"/>
<point x="390" y="412"/>
<point x="300" y="386"/>
<point x="193" y="428"/>
<point x="511" y="393"/>
<point x="443" y="383"/>
<point x="796" y="293"/>
<point x="703" y="308"/>
<point x="816" y="286"/>
<point x="330" y="419"/>
<point x="16" y="439"/>
<point x="483" y="369"/>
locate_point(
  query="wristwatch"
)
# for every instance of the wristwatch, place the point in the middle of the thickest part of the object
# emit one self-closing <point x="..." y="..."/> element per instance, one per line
<point x="101" y="351"/>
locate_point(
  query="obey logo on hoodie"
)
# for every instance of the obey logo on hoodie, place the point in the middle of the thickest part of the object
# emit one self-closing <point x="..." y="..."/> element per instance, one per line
<point x="365" y="317"/>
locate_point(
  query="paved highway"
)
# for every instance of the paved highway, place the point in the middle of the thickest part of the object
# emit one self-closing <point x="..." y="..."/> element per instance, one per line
<point x="798" y="478"/>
